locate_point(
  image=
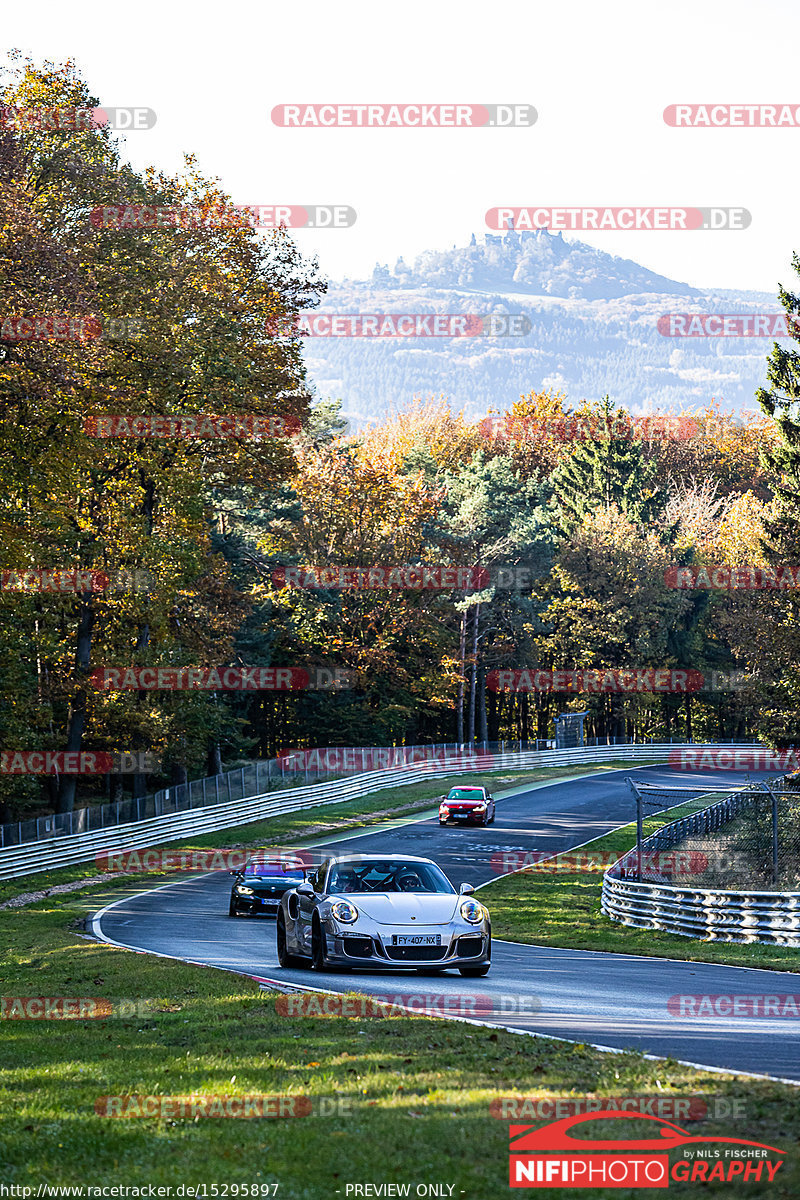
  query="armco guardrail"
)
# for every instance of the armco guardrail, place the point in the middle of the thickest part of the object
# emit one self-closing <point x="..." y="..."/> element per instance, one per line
<point x="64" y="851"/>
<point x="712" y="914"/>
<point x="772" y="917"/>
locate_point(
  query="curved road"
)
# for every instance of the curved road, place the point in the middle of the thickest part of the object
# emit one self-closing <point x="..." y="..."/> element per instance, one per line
<point x="612" y="1000"/>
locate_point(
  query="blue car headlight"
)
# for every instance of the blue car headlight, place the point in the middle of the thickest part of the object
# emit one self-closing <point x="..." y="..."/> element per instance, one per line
<point x="472" y="911"/>
<point x="344" y="912"/>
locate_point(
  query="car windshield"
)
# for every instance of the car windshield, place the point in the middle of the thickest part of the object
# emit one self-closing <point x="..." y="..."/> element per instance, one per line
<point x="386" y="875"/>
<point x="273" y="871"/>
<point x="465" y="794"/>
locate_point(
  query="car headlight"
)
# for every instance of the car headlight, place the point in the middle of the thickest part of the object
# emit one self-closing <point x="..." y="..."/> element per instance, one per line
<point x="244" y="891"/>
<point x="480" y="808"/>
<point x="345" y="912"/>
<point x="472" y="911"/>
<point x="443" y="808"/>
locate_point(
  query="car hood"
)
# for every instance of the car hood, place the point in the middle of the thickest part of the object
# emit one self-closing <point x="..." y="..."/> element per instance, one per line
<point x="463" y="803"/>
<point x="394" y="908"/>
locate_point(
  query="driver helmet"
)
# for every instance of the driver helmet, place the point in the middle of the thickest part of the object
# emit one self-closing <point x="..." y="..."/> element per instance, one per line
<point x="409" y="881"/>
<point x="346" y="881"/>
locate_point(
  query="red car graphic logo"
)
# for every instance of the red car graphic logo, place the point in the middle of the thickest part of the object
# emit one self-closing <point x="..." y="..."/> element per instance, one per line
<point x="555" y="1137"/>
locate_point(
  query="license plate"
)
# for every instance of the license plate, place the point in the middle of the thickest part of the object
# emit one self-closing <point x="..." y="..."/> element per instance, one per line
<point x="461" y="816"/>
<point x="416" y="939"/>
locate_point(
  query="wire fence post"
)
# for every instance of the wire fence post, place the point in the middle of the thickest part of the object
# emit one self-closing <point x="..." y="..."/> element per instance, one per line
<point x="774" y="799"/>
<point x="639" y="830"/>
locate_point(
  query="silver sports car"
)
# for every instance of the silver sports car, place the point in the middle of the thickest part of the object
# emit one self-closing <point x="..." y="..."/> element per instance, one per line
<point x="365" y="910"/>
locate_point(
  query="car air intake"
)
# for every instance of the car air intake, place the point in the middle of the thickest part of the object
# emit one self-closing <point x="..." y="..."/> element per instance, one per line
<point x="416" y="953"/>
<point x="469" y="946"/>
<point x="358" y="947"/>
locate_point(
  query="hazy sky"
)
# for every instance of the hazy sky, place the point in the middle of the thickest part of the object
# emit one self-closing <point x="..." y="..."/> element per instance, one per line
<point x="599" y="75"/>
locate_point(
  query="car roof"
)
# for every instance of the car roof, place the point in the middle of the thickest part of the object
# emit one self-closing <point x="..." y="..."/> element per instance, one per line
<point x="398" y="858"/>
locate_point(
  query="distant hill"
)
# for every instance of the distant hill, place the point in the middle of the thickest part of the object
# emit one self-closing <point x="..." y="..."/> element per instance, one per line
<point x="593" y="330"/>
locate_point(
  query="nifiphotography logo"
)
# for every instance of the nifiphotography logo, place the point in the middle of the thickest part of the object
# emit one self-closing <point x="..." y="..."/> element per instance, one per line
<point x="550" y="1157"/>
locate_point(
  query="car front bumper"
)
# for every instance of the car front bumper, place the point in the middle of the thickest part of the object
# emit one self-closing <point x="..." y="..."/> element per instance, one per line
<point x="464" y="819"/>
<point x="258" y="906"/>
<point x="461" y="948"/>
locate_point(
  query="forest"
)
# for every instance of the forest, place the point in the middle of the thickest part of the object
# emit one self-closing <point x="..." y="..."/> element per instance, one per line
<point x="224" y="572"/>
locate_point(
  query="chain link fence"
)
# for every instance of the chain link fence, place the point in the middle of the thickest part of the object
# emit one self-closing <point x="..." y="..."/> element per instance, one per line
<point x="721" y="839"/>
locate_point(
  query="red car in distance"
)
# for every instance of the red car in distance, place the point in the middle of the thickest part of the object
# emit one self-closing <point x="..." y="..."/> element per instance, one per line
<point x="466" y="806"/>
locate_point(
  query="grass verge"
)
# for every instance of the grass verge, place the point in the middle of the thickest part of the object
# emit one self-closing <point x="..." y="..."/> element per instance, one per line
<point x="541" y="907"/>
<point x="409" y="1097"/>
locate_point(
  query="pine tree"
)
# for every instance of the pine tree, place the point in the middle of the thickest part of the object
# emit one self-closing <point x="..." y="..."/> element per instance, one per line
<point x="606" y="468"/>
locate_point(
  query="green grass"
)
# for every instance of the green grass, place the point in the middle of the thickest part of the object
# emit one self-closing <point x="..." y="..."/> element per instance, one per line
<point x="543" y="908"/>
<point x="418" y="1090"/>
<point x="373" y="807"/>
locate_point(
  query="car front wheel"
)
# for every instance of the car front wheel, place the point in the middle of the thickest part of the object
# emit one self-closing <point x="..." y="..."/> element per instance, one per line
<point x="319" y="961"/>
<point x="232" y="909"/>
<point x="284" y="957"/>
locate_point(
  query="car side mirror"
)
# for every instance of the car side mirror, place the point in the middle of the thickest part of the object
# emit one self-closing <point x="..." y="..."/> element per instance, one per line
<point x="234" y="872"/>
<point x="304" y="889"/>
<point x="466" y="889"/>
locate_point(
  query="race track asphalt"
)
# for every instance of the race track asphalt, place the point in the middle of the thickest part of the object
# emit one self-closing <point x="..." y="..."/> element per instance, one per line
<point x="612" y="1000"/>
